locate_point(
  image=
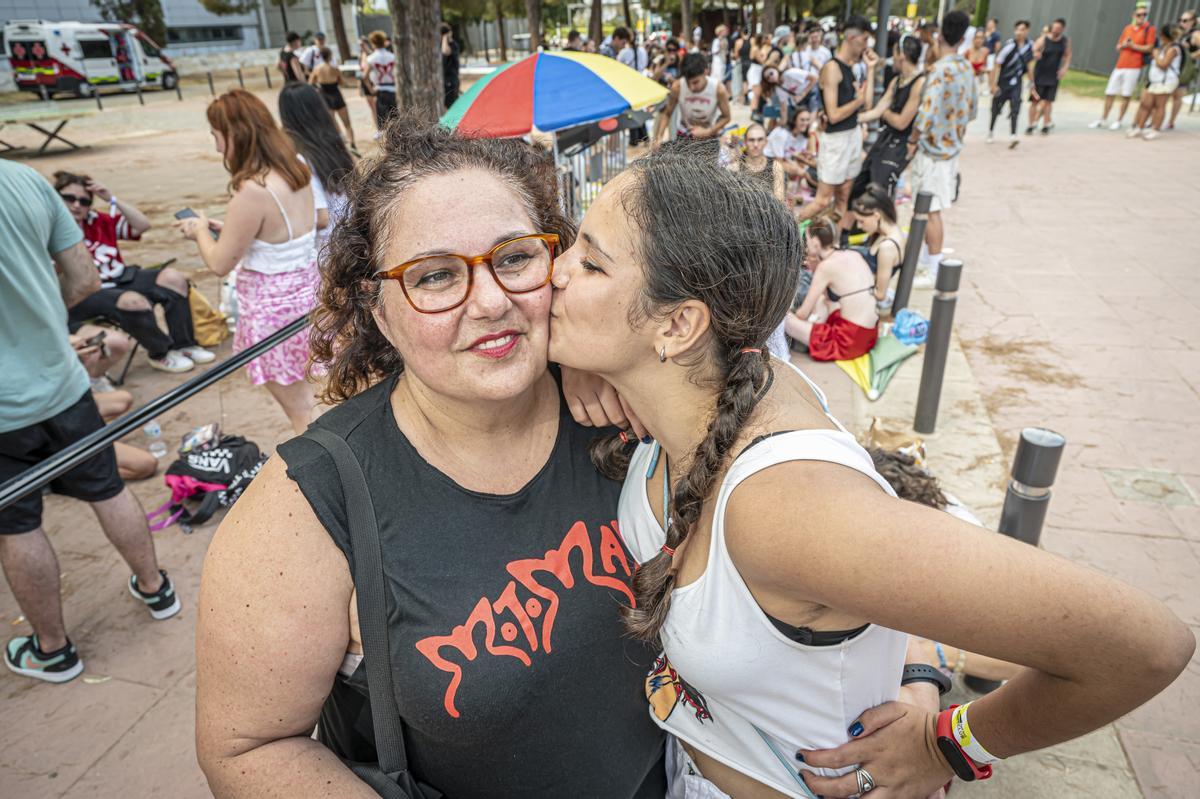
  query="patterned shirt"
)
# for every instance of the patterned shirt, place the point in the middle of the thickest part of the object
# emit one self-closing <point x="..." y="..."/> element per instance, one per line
<point x="948" y="104"/>
<point x="101" y="233"/>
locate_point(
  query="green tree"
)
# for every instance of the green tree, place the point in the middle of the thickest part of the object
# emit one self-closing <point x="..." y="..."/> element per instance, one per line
<point x="145" y="14"/>
<point x="981" y="13"/>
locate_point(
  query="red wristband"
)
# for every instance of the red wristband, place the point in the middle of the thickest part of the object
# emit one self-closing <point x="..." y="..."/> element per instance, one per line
<point x="966" y="768"/>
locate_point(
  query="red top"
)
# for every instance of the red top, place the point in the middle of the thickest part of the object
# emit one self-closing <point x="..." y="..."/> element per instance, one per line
<point x="101" y="232"/>
<point x="1141" y="35"/>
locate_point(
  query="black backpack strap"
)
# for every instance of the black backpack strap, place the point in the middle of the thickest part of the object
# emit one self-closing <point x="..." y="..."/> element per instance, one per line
<point x="372" y="601"/>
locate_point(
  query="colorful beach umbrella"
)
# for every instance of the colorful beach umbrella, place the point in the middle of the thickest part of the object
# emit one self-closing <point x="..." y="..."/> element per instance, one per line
<point x="549" y="92"/>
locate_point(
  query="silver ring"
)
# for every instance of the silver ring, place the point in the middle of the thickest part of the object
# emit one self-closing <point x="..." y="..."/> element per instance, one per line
<point x="866" y="783"/>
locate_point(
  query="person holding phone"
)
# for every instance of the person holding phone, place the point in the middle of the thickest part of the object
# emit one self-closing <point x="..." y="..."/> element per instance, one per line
<point x="128" y="294"/>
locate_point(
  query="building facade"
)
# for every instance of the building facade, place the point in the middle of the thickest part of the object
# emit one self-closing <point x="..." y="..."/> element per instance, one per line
<point x="193" y="30"/>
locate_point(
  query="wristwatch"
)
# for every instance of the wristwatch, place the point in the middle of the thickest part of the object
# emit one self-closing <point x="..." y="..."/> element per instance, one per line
<point x="920" y="672"/>
<point x="966" y="768"/>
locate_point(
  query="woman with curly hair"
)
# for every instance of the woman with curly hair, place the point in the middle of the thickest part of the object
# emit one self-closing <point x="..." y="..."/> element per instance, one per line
<point x="504" y="568"/>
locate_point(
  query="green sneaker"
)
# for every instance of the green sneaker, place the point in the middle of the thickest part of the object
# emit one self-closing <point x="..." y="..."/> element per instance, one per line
<point x="24" y="656"/>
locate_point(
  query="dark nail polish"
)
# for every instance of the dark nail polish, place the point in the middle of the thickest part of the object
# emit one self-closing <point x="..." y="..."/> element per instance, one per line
<point x="856" y="729"/>
<point x="648" y="439"/>
<point x="800" y="756"/>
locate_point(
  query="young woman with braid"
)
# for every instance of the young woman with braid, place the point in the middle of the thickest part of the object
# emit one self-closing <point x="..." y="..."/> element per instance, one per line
<point x="777" y="567"/>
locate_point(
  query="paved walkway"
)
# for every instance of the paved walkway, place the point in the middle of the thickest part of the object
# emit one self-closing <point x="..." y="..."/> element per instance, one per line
<point x="1076" y="314"/>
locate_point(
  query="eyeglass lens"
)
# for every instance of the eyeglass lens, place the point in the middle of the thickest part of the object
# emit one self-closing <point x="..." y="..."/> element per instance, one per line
<point x="442" y="282"/>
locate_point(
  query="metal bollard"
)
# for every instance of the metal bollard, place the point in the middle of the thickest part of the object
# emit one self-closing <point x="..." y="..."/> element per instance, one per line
<point x="241" y="82"/>
<point x="912" y="250"/>
<point x="267" y="75"/>
<point x="178" y="89"/>
<point x="96" y="94"/>
<point x="937" y="345"/>
<point x="43" y="92"/>
<point x="211" y="90"/>
<point x="141" y="100"/>
<point x="1039" y="452"/>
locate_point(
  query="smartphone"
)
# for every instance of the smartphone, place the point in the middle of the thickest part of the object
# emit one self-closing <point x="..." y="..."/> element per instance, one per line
<point x="95" y="340"/>
<point x="188" y="213"/>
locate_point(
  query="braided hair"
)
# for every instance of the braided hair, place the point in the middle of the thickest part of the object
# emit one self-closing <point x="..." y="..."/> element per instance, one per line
<point x="745" y="270"/>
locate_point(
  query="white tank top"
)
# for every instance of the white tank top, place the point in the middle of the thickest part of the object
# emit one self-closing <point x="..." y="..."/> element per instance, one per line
<point x="729" y="682"/>
<point x="297" y="253"/>
<point x="698" y="108"/>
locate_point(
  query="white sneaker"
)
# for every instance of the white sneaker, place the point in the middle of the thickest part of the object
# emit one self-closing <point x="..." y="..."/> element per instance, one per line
<point x="1133" y="133"/>
<point x="923" y="279"/>
<point x="1115" y="125"/>
<point x="1013" y="141"/>
<point x="102" y="385"/>
<point x="1150" y="134"/>
<point x="198" y="354"/>
<point x="173" y="361"/>
<point x="990" y="138"/>
<point x="1099" y="123"/>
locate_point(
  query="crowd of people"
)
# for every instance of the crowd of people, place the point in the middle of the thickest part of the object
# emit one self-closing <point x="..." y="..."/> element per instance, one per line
<point x="467" y="337"/>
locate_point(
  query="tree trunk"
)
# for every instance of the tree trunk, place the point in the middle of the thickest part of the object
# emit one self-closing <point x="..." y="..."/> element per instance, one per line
<point x="339" y="29"/>
<point x="596" y="23"/>
<point x="283" y="13"/>
<point x="500" y="30"/>
<point x="628" y="15"/>
<point x="685" y="21"/>
<point x="768" y="17"/>
<point x="418" y="56"/>
<point x="533" y="10"/>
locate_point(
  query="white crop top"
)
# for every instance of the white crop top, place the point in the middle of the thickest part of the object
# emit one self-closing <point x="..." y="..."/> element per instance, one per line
<point x="729" y="682"/>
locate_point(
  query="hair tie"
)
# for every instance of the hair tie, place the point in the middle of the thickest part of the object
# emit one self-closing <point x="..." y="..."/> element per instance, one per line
<point x="624" y="437"/>
<point x="668" y="551"/>
<point x="754" y="350"/>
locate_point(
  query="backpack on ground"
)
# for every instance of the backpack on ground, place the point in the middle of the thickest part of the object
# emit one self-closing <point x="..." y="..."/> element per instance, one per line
<point x="215" y="476"/>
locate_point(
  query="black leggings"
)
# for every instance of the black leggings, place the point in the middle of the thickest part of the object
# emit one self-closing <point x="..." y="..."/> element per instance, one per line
<point x="1012" y="96"/>
<point x="385" y="106"/>
<point x="141" y="324"/>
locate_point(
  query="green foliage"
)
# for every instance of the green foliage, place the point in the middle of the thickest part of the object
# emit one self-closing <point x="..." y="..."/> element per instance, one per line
<point x="981" y="13"/>
<point x="145" y="14"/>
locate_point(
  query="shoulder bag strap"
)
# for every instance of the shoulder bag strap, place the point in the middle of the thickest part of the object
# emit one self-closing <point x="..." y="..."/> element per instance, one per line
<point x="372" y="601"/>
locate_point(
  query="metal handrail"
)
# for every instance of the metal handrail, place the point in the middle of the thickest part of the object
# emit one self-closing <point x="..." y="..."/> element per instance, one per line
<point x="62" y="462"/>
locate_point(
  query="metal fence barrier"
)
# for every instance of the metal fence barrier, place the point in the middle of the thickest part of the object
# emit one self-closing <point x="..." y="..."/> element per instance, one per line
<point x="583" y="173"/>
<point x="88" y="446"/>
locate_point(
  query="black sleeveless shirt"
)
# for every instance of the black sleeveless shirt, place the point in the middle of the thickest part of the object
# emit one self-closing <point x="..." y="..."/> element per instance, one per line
<point x="899" y="100"/>
<point x="515" y="674"/>
<point x="845" y="94"/>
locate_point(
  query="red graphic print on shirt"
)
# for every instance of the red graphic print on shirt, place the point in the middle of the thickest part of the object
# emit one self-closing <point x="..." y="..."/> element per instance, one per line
<point x="521" y="637"/>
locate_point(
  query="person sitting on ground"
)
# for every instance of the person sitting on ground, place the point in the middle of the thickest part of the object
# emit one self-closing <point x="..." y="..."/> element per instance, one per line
<point x="1165" y="64"/>
<point x="753" y="161"/>
<point x="328" y="79"/>
<point x="270" y="232"/>
<point x="793" y="146"/>
<point x="876" y="215"/>
<point x="128" y="293"/>
<point x="897" y="109"/>
<point x="321" y="148"/>
<point x="838" y="319"/>
<point x="133" y="463"/>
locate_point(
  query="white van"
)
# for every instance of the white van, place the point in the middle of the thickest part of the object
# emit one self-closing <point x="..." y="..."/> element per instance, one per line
<point x="76" y="57"/>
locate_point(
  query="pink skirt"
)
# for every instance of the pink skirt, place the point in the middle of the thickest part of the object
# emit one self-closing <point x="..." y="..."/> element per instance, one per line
<point x="265" y="304"/>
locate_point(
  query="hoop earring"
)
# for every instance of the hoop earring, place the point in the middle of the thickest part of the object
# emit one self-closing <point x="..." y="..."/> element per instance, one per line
<point x="662" y="354"/>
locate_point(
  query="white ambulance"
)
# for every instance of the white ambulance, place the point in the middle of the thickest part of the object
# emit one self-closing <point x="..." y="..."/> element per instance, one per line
<point x="77" y="57"/>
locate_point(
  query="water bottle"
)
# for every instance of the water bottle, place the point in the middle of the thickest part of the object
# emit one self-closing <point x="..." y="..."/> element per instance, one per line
<point x="157" y="447"/>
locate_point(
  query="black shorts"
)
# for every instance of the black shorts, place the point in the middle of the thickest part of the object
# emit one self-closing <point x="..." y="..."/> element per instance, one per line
<point x="1046" y="91"/>
<point x="94" y="480"/>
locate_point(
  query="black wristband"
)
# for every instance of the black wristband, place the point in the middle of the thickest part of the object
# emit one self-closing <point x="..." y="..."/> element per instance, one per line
<point x="920" y="672"/>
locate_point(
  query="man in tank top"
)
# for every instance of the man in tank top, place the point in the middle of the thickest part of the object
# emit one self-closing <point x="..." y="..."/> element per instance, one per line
<point x="1053" y="53"/>
<point x="702" y="101"/>
<point x="840" y="150"/>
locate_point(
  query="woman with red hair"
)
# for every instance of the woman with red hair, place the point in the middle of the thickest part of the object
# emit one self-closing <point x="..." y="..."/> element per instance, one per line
<point x="270" y="233"/>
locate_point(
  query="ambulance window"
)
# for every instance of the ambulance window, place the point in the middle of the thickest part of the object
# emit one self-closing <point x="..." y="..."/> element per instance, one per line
<point x="95" y="48"/>
<point x="149" y="48"/>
